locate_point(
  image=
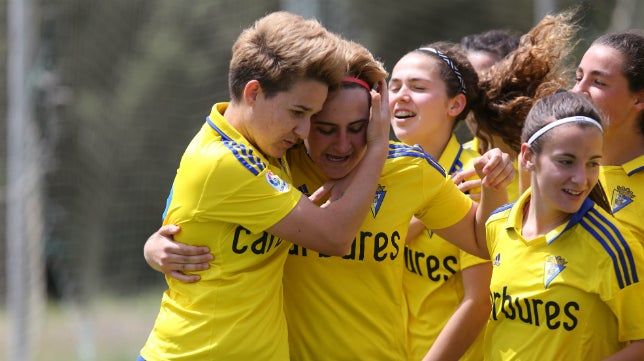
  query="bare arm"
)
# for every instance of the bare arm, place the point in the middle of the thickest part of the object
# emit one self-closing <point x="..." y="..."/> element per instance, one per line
<point x="330" y="229"/>
<point x="496" y="170"/>
<point x="172" y="258"/>
<point x="634" y="351"/>
<point x="469" y="319"/>
<point x="416" y="227"/>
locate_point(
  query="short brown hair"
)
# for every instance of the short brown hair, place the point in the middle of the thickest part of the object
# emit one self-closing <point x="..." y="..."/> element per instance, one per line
<point x="282" y="48"/>
<point x="362" y="65"/>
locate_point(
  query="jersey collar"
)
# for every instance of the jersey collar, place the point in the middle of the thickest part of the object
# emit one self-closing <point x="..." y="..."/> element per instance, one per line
<point x="515" y="218"/>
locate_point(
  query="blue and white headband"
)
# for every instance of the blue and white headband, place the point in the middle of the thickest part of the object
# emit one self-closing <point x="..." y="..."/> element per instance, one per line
<point x="450" y="63"/>
<point x="562" y="121"/>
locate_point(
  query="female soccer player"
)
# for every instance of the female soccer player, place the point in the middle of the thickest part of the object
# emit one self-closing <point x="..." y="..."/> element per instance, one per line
<point x="611" y="74"/>
<point x="431" y="90"/>
<point x="566" y="279"/>
<point x="233" y="185"/>
<point x="353" y="306"/>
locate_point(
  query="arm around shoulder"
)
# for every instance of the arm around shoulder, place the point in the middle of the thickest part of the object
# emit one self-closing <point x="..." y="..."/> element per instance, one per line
<point x="469" y="319"/>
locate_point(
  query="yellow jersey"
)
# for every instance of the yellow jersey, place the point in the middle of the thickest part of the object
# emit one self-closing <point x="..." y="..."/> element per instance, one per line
<point x="225" y="194"/>
<point x="352" y="307"/>
<point x="624" y="186"/>
<point x="433" y="280"/>
<point x="572" y="294"/>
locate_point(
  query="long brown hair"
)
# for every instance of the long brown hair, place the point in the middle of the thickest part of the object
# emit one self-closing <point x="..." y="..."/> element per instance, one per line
<point x="535" y="69"/>
<point x="362" y="65"/>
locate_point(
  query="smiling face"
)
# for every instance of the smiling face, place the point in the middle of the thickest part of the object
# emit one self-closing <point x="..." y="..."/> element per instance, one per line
<point x="600" y="77"/>
<point x="418" y="100"/>
<point x="280" y="121"/>
<point x="566" y="169"/>
<point x="337" y="140"/>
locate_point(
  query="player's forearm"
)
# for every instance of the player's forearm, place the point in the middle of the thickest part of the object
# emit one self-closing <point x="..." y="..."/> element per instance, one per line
<point x="632" y="352"/>
<point x="350" y="209"/>
<point x="416" y="227"/>
<point x="491" y="199"/>
<point x="462" y="329"/>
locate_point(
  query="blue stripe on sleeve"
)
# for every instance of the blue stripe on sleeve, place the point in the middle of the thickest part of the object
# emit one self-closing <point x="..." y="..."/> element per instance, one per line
<point x="243" y="154"/>
<point x="635" y="171"/>
<point x="167" y="203"/>
<point x="615" y="246"/>
<point x="502" y="208"/>
<point x="403" y="150"/>
<point x="623" y="245"/>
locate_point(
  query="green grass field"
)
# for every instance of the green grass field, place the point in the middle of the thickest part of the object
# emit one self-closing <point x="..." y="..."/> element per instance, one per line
<point x="111" y="329"/>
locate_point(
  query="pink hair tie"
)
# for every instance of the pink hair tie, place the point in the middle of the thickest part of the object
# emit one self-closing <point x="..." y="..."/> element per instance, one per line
<point x="361" y="82"/>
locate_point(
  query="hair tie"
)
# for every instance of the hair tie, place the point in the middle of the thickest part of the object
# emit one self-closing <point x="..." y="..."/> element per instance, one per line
<point x="562" y="121"/>
<point x="350" y="79"/>
<point x="450" y="63"/>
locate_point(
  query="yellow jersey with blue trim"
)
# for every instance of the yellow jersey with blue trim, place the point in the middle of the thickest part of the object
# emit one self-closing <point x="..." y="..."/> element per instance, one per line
<point x="225" y="194"/>
<point x="352" y="307"/>
<point x="624" y="186"/>
<point x="571" y="294"/>
<point x="433" y="279"/>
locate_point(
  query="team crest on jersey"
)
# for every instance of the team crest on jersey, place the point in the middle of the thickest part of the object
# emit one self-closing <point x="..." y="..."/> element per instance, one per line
<point x="497" y="260"/>
<point x="377" y="200"/>
<point x="304" y="189"/>
<point x="276" y="182"/>
<point x="554" y="266"/>
<point x="622" y="196"/>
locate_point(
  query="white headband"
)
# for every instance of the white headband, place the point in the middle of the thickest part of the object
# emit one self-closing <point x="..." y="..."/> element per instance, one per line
<point x="559" y="122"/>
